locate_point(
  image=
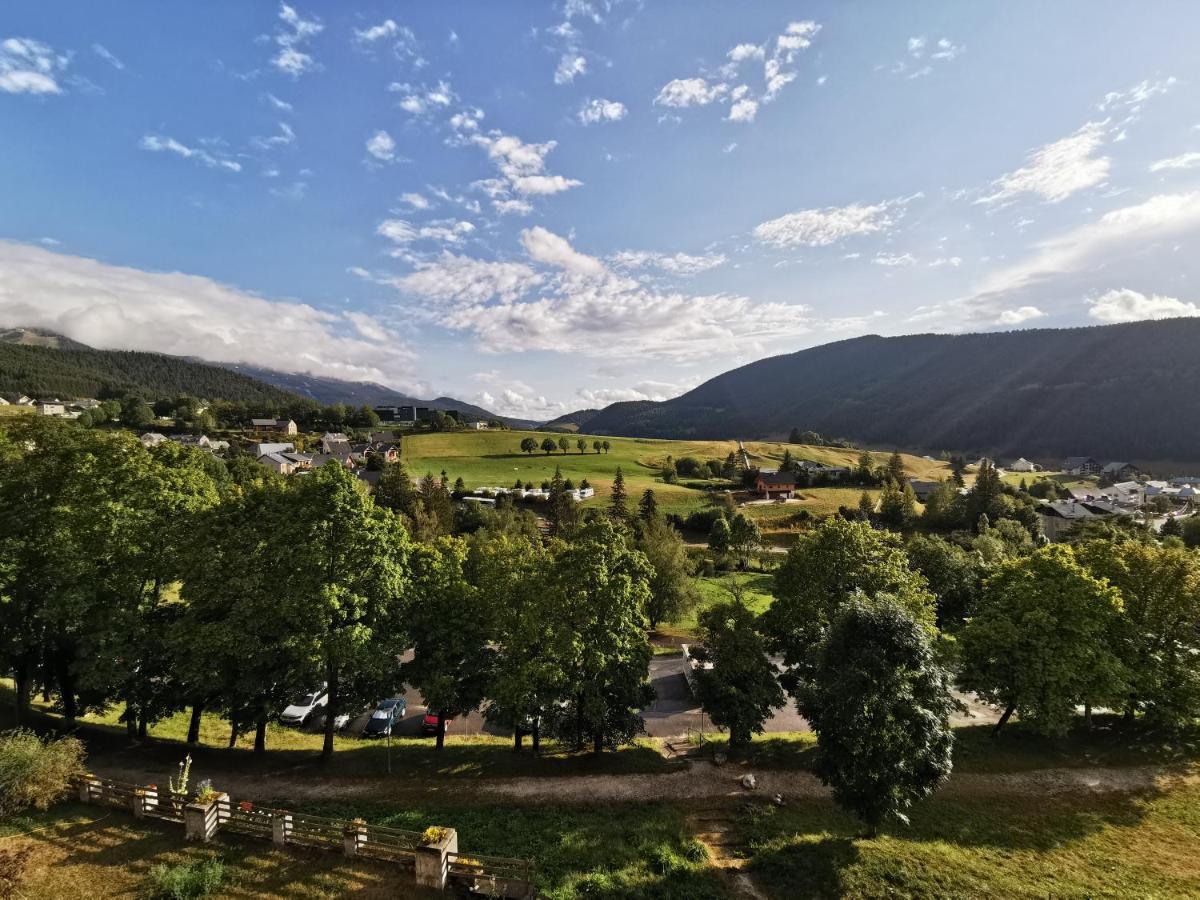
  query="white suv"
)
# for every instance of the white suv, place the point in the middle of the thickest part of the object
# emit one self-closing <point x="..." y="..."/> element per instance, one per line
<point x="301" y="711"/>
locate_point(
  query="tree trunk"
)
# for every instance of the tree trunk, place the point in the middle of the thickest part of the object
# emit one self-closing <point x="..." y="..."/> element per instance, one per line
<point x="518" y="739"/>
<point x="21" y="694"/>
<point x="260" y="735"/>
<point x="1012" y="707"/>
<point x="130" y="726"/>
<point x="537" y="735"/>
<point x="1087" y="717"/>
<point x="143" y="728"/>
<point x="193" y="734"/>
<point x="597" y="742"/>
<point x="441" y="730"/>
<point x="66" y="683"/>
<point x="330" y="714"/>
<point x="234" y="728"/>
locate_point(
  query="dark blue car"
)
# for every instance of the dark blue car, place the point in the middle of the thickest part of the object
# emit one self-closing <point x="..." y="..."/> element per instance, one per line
<point x="386" y="714"/>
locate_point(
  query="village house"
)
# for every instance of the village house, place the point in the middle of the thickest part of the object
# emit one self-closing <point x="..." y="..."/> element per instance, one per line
<point x="51" y="409"/>
<point x="1059" y="517"/>
<point x="261" y="450"/>
<point x="152" y="439"/>
<point x="1024" y="465"/>
<point x="283" y="426"/>
<point x="1119" y="471"/>
<point x="199" y="441"/>
<point x="922" y="489"/>
<point x="286" y="463"/>
<point x="1080" y="465"/>
<point x="778" y="484"/>
<point x="815" y="469"/>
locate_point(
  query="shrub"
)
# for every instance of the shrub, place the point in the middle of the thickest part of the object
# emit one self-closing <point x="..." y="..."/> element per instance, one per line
<point x="188" y="880"/>
<point x="36" y="772"/>
<point x="12" y="866"/>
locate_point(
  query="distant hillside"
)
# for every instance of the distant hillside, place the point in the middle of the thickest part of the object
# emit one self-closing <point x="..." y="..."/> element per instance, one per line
<point x="1127" y="391"/>
<point x="363" y="393"/>
<point x="572" y="421"/>
<point x="78" y="371"/>
<point x="37" y="337"/>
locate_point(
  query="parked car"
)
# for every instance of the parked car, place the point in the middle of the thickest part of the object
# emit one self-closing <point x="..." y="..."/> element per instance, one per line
<point x="429" y="723"/>
<point x="385" y="716"/>
<point x="300" y="712"/>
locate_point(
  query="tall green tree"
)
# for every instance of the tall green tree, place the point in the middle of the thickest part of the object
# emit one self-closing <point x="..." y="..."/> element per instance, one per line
<point x="880" y="706"/>
<point x="1039" y="641"/>
<point x="562" y="512"/>
<point x="740" y="691"/>
<point x="617" y="499"/>
<point x="548" y="445"/>
<point x="528" y="445"/>
<point x="396" y="491"/>
<point x="955" y="576"/>
<point x="345" y="564"/>
<point x="453" y="626"/>
<point x="563" y="444"/>
<point x="648" y="506"/>
<point x="895" y="469"/>
<point x="672" y="589"/>
<point x="1159" y="627"/>
<point x="581" y="445"/>
<point x="745" y="538"/>
<point x="601" y="589"/>
<point x="827" y="567"/>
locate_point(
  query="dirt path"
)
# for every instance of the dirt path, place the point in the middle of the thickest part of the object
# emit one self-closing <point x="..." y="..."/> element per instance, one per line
<point x="702" y="783"/>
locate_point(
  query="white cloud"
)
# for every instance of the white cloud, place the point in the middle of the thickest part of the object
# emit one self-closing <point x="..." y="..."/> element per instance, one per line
<point x="797" y="36"/>
<point x="421" y="99"/>
<point x="548" y="248"/>
<point x="512" y="207"/>
<point x="952" y="261"/>
<point x="123" y="308"/>
<point x="416" y="201"/>
<point x="683" y="264"/>
<point x="743" y="110"/>
<point x="645" y="390"/>
<point x="1183" y="161"/>
<point x="402" y="232"/>
<point x="822" y="227"/>
<point x="463" y="280"/>
<point x="385" y="29"/>
<point x="916" y="46"/>
<point x="682" y="92"/>
<point x="285" y="136"/>
<point x="891" y="260"/>
<point x="742" y="52"/>
<point x="381" y="146"/>
<point x="30" y="67"/>
<point x="522" y="165"/>
<point x="160" y="144"/>
<point x="281" y="105"/>
<point x="570" y="67"/>
<point x="108" y="56"/>
<point x="946" y="49"/>
<point x="594" y="111"/>
<point x="1131" y="306"/>
<point x="1057" y="170"/>
<point x="1019" y="315"/>
<point x="1133" y="98"/>
<point x="294" y="33"/>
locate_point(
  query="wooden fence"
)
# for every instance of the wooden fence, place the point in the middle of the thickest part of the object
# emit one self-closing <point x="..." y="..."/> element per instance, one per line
<point x="435" y="864"/>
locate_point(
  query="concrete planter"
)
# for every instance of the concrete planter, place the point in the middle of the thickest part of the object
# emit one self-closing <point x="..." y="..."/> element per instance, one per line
<point x="200" y="820"/>
<point x="432" y="860"/>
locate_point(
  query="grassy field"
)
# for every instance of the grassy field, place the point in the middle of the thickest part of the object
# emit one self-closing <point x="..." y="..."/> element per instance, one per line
<point x="1062" y="845"/>
<point x="493" y="458"/>
<point x="714" y="589"/>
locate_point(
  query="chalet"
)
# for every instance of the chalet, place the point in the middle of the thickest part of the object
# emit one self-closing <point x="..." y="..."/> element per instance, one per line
<point x="1119" y="471"/>
<point x="198" y="441"/>
<point x="26" y="401"/>
<point x="286" y="463"/>
<point x="815" y="469"/>
<point x="1080" y="465"/>
<point x="283" y="426"/>
<point x="51" y="409"/>
<point x="337" y="445"/>
<point x="4" y="402"/>
<point x="1024" y="465"/>
<point x="779" y="484"/>
<point x="152" y="439"/>
<point x="1059" y="517"/>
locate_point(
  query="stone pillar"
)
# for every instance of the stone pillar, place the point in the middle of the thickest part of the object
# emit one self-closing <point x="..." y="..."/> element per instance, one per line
<point x="85" y="789"/>
<point x="354" y="835"/>
<point x="433" y="864"/>
<point x="200" y="820"/>
<point x="279" y="827"/>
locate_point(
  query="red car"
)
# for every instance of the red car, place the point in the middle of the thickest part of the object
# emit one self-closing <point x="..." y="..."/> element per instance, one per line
<point x="429" y="723"/>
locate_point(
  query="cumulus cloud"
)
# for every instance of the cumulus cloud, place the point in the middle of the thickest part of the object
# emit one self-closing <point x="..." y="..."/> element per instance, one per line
<point x="522" y="166"/>
<point x="402" y="232"/>
<point x="381" y="146"/>
<point x="743" y="110"/>
<point x="1131" y="306"/>
<point x="822" y="227"/>
<point x="415" y="201"/>
<point x="161" y="144"/>
<point x="464" y="280"/>
<point x="30" y="67"/>
<point x="1183" y="161"/>
<point x="420" y="99"/>
<point x="683" y="92"/>
<point x="643" y="390"/>
<point x="594" y="111"/>
<point x="122" y="308"/>
<point x="1019" y="315"/>
<point x="570" y="67"/>
<point x="550" y="249"/>
<point x="295" y="32"/>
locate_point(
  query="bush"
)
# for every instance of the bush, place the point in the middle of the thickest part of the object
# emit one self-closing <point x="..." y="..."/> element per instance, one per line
<point x="36" y="772"/>
<point x="183" y="882"/>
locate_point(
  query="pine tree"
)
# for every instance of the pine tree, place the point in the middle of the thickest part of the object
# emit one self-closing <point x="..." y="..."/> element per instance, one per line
<point x="648" y="507"/>
<point x="616" y="503"/>
<point x="866" y="506"/>
<point x="895" y="468"/>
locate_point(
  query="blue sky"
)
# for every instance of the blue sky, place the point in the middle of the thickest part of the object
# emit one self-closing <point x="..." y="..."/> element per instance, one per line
<point x="540" y="207"/>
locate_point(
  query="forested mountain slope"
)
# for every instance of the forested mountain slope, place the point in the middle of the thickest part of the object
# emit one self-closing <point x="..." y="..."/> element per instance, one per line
<point x="1124" y="391"/>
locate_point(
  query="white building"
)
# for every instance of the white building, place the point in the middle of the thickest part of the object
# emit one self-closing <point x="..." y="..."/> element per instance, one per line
<point x="1023" y="465"/>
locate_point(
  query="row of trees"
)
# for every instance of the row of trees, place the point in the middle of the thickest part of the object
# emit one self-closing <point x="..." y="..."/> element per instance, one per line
<point x="164" y="580"/>
<point x="549" y="445"/>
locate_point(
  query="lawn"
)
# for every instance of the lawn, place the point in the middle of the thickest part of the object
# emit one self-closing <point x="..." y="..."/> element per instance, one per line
<point x="1112" y="844"/>
<point x="713" y="589"/>
<point x="88" y="851"/>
